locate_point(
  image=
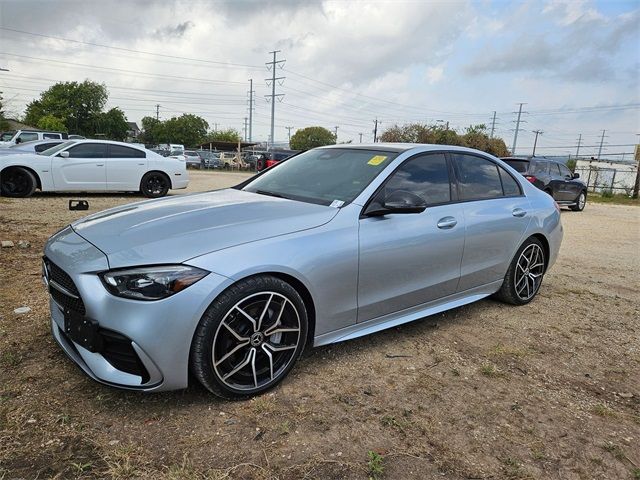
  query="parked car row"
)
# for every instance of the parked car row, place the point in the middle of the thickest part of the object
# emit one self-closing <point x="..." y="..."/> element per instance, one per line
<point x="90" y="166"/>
<point x="17" y="137"/>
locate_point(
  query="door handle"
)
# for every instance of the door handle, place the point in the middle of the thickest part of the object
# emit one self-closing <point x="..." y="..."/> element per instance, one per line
<point x="518" y="212"/>
<point x="99" y="164"/>
<point x="447" y="222"/>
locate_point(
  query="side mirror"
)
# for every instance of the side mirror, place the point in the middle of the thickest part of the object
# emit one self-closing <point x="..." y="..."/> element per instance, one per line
<point x="64" y="154"/>
<point x="400" y="201"/>
<point x="576" y="175"/>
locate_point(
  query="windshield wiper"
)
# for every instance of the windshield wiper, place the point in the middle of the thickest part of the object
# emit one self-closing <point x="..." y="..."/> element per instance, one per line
<point x="271" y="194"/>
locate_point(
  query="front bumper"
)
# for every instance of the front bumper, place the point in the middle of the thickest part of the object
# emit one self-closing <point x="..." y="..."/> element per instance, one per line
<point x="154" y="336"/>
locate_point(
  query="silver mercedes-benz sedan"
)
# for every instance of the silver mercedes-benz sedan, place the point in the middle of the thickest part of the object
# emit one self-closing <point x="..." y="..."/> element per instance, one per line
<point x="329" y="245"/>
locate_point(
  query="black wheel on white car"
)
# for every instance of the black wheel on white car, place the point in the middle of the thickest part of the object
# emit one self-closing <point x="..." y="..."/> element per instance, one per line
<point x="581" y="201"/>
<point x="249" y="338"/>
<point x="154" y="185"/>
<point x="17" y="182"/>
<point x="525" y="274"/>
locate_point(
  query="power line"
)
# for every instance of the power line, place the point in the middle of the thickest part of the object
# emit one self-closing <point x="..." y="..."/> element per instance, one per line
<point x="228" y="64"/>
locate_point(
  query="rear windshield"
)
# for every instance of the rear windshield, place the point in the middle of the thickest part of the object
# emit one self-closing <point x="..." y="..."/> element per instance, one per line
<point x="518" y="165"/>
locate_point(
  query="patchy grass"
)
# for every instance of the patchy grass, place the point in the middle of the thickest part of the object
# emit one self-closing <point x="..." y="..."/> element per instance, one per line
<point x="614" y="450"/>
<point x="603" y="411"/>
<point x="490" y="370"/>
<point x="375" y="464"/>
<point x="512" y="469"/>
<point x="616" y="198"/>
<point x="635" y="472"/>
<point x="506" y="350"/>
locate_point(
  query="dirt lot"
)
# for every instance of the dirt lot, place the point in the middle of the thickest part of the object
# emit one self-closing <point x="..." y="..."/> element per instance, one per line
<point x="548" y="390"/>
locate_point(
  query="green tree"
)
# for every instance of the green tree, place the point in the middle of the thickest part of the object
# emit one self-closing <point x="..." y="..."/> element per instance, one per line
<point x="76" y="103"/>
<point x="112" y="124"/>
<point x="228" y="135"/>
<point x="311" y="137"/>
<point x="187" y="129"/>
<point x="49" y="122"/>
<point x="4" y="125"/>
<point x="153" y="131"/>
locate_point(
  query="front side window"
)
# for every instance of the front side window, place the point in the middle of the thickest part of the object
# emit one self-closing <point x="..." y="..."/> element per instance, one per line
<point x="88" y="150"/>
<point x="565" y="172"/>
<point x="28" y="137"/>
<point x="120" y="151"/>
<point x="324" y="175"/>
<point x="426" y="176"/>
<point x="478" y="177"/>
<point x="555" y="170"/>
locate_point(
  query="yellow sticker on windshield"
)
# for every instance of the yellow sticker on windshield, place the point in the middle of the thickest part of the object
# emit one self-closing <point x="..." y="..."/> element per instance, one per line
<point x="377" y="160"/>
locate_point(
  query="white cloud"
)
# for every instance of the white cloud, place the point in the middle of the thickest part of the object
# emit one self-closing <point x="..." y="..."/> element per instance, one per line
<point x="435" y="74"/>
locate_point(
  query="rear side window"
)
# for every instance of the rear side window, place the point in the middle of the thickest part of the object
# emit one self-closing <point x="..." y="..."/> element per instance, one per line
<point x="427" y="176"/>
<point x="51" y="135"/>
<point x="518" y="165"/>
<point x="119" y="151"/>
<point x="478" y="177"/>
<point x="540" y="168"/>
<point x="510" y="187"/>
<point x="88" y="150"/>
<point x="44" y="146"/>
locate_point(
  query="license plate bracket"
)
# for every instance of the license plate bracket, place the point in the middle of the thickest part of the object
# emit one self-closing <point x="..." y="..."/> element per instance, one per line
<point x="82" y="330"/>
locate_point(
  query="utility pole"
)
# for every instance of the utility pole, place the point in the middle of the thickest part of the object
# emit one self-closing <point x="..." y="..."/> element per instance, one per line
<point x="579" y="142"/>
<point x="535" y="142"/>
<point x="275" y="62"/>
<point x="375" y="131"/>
<point x="360" y="137"/>
<point x="251" y="108"/>
<point x="215" y="127"/>
<point x="515" y="136"/>
<point x="245" y="128"/>
<point x="158" y="112"/>
<point x="289" y="134"/>
<point x="493" y="124"/>
<point x="636" y="187"/>
<point x="601" y="143"/>
<point x="335" y="133"/>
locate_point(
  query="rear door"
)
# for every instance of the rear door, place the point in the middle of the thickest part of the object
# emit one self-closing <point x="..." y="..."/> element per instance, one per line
<point x="125" y="168"/>
<point x="496" y="215"/>
<point x="570" y="188"/>
<point x="410" y="259"/>
<point x="558" y="183"/>
<point x="83" y="170"/>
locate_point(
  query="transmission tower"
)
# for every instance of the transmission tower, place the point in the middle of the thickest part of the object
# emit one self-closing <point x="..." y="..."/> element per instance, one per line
<point x="272" y="67"/>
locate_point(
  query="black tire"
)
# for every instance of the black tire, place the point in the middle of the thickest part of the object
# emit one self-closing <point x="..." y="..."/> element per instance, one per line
<point x="17" y="182"/>
<point x="223" y="330"/>
<point x="548" y="192"/>
<point x="154" y="185"/>
<point x="513" y="290"/>
<point x="581" y="201"/>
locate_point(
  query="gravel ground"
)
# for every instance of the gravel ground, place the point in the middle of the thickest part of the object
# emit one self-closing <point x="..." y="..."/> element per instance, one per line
<point x="548" y="390"/>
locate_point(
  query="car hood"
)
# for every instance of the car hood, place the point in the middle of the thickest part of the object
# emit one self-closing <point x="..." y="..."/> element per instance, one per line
<point x="175" y="229"/>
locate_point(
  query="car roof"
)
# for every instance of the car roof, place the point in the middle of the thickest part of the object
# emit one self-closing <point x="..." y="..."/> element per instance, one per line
<point x="405" y="147"/>
<point x="112" y="142"/>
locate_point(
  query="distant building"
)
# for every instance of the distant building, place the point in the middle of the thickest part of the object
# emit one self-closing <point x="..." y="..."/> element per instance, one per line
<point x="133" y="130"/>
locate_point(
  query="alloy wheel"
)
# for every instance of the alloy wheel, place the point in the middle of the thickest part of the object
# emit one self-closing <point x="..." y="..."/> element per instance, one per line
<point x="15" y="182"/>
<point x="256" y="341"/>
<point x="155" y="185"/>
<point x="582" y="200"/>
<point x="529" y="271"/>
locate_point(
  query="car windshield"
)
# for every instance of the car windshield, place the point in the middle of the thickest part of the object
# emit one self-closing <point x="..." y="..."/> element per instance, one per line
<point x="323" y="175"/>
<point x="6" y="136"/>
<point x="518" y="165"/>
<point x="53" y="150"/>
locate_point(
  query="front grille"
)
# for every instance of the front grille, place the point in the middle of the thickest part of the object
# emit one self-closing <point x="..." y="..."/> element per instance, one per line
<point x="59" y="276"/>
<point x="119" y="352"/>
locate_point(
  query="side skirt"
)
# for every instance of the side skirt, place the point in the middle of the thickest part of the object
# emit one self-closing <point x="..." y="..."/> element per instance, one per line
<point x="408" y="315"/>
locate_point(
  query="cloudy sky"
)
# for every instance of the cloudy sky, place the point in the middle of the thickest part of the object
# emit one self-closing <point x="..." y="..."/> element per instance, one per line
<point x="576" y="64"/>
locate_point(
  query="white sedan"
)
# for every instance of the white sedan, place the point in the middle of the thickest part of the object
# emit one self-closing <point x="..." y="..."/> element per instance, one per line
<point x="92" y="166"/>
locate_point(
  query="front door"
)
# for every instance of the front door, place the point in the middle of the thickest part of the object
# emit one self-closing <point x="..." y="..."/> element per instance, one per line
<point x="409" y="259"/>
<point x="83" y="170"/>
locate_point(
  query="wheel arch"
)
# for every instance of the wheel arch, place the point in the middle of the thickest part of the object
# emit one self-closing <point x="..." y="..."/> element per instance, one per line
<point x="161" y="173"/>
<point x="29" y="169"/>
<point x="545" y="246"/>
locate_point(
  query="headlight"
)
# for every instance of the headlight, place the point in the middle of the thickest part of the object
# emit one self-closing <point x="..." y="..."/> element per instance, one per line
<point x="151" y="283"/>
